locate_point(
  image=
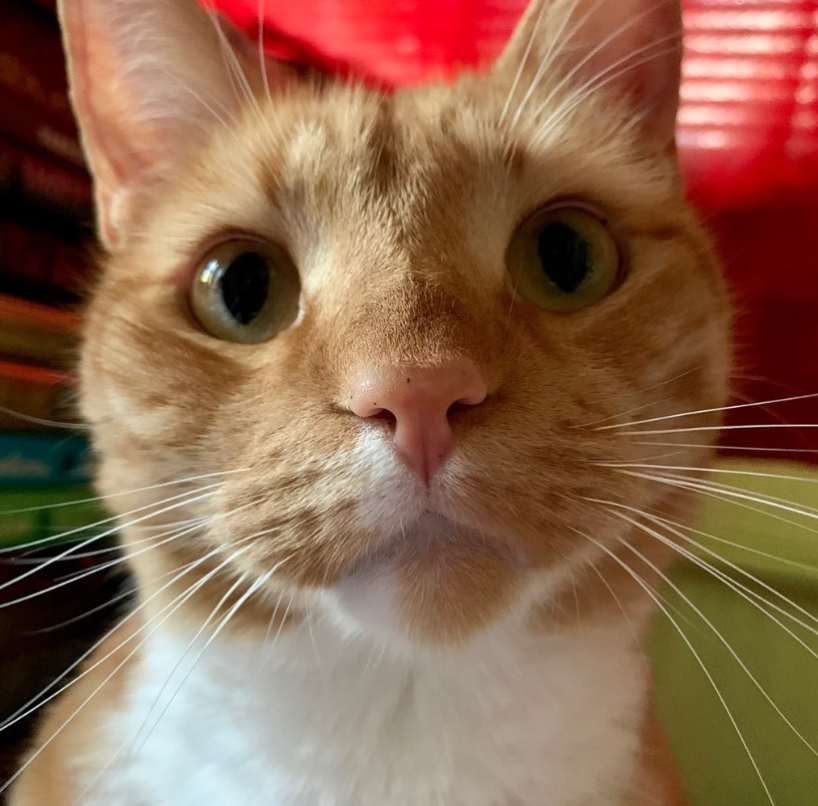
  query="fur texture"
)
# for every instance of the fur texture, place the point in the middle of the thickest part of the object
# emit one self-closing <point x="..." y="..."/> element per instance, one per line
<point x="388" y="641"/>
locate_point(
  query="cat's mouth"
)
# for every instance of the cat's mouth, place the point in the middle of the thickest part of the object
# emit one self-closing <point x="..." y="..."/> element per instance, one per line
<point x="434" y="576"/>
<point x="432" y="539"/>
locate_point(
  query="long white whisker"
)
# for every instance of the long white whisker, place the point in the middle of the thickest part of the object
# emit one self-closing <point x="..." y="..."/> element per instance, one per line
<point x="710" y="411"/>
<point x="184" y="570"/>
<point x="106" y="605"/>
<point x="652" y="594"/>
<point x="182" y="599"/>
<point x="725" y="542"/>
<point x="693" y="485"/>
<point x="610" y="75"/>
<point x="98" y="568"/>
<point x="27" y="418"/>
<point x="669" y="525"/>
<point x="114" y="519"/>
<point x="232" y="64"/>
<point x="709" y="470"/>
<point x="547" y="58"/>
<point x="623" y="29"/>
<point x="747" y="427"/>
<point x="259" y="583"/>
<point x="721" y="447"/>
<point x="228" y="593"/>
<point x="35" y="703"/>
<point x="72" y="549"/>
<point x="727" y="645"/>
<point x="555" y="47"/>
<point x="637" y="641"/>
<point x="93" y="498"/>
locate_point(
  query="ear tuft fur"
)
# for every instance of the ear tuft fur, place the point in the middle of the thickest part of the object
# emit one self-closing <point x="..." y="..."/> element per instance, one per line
<point x="148" y="78"/>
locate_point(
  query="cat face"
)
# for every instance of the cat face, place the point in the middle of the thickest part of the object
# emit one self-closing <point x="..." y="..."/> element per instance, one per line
<point x="392" y="328"/>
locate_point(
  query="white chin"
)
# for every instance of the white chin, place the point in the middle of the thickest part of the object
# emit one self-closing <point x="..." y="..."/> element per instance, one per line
<point x="372" y="597"/>
<point x="367" y="600"/>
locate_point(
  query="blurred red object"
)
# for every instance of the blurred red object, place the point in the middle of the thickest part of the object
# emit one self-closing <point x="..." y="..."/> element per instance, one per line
<point x="748" y="136"/>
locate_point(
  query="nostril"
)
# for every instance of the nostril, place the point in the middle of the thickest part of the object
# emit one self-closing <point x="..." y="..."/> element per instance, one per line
<point x="457" y="407"/>
<point x="384" y="416"/>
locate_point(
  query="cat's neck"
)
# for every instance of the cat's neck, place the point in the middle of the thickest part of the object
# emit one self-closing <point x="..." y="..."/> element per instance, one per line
<point x="311" y="713"/>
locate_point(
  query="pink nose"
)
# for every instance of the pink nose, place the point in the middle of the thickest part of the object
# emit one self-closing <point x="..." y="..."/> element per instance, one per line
<point x="419" y="401"/>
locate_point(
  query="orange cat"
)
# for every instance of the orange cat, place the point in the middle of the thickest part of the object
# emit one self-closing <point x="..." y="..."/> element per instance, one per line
<point x="346" y="366"/>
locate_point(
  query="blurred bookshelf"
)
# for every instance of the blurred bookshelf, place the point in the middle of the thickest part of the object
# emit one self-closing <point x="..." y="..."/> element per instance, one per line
<point x="47" y="505"/>
<point x="45" y="229"/>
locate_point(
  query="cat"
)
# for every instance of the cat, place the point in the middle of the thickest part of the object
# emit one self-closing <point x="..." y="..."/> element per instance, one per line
<point x="347" y="367"/>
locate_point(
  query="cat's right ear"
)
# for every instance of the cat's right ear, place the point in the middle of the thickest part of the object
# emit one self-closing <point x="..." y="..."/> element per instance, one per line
<point x="148" y="78"/>
<point x="628" y="50"/>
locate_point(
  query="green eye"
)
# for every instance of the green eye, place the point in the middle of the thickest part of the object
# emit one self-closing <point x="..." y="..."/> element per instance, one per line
<point x="564" y="260"/>
<point x="245" y="291"/>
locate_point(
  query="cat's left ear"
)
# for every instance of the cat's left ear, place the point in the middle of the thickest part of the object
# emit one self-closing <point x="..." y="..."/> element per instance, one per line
<point x="629" y="49"/>
<point x="149" y="80"/>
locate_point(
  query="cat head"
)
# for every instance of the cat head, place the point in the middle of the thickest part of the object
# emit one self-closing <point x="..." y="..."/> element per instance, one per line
<point x="376" y="341"/>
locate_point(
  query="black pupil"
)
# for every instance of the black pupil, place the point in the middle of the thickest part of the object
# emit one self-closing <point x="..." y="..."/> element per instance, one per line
<point x="565" y="256"/>
<point x="245" y="286"/>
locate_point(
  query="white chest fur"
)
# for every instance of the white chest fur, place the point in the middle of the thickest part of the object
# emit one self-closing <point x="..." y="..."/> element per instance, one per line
<point x="326" y="721"/>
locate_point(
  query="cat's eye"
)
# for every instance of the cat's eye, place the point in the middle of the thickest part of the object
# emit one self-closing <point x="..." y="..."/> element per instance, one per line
<point x="564" y="259"/>
<point x="245" y="291"/>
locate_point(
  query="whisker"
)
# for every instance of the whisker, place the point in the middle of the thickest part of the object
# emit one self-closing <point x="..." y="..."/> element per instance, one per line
<point x="72" y="549"/>
<point x="652" y="594"/>
<point x="720" y="447"/>
<point x="259" y="583"/>
<point x="129" y="593"/>
<point x="727" y="645"/>
<point x="649" y="405"/>
<point x="560" y="40"/>
<point x="114" y="519"/>
<point x="637" y="641"/>
<point x="187" y="595"/>
<point x="27" y="418"/>
<point x="261" y="56"/>
<point x="93" y="648"/>
<point x="523" y="61"/>
<point x="712" y="411"/>
<point x="550" y="55"/>
<point x="649" y="53"/>
<point x="172" y="607"/>
<point x="129" y="748"/>
<point x="96" y="569"/>
<point x="93" y="498"/>
<point x="704" y="488"/>
<point x="237" y="584"/>
<point x="724" y="541"/>
<point x="667" y="524"/>
<point x="709" y="470"/>
<point x="644" y="405"/>
<point x="232" y="64"/>
<point x="746" y="427"/>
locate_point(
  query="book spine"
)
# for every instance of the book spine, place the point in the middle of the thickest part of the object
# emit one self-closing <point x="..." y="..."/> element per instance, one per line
<point x="31" y="175"/>
<point x="38" y="260"/>
<point x="29" y="128"/>
<point x="43" y="459"/>
<point x="32" y="69"/>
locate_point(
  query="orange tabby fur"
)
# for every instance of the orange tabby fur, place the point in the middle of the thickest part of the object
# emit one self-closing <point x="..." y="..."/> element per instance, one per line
<point x="397" y="211"/>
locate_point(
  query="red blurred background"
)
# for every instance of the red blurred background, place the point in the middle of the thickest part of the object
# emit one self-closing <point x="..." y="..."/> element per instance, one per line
<point x="748" y="136"/>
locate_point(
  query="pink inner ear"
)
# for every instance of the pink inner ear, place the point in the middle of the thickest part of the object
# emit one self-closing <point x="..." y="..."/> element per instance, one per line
<point x="634" y="48"/>
<point x="148" y="78"/>
<point x="112" y="155"/>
